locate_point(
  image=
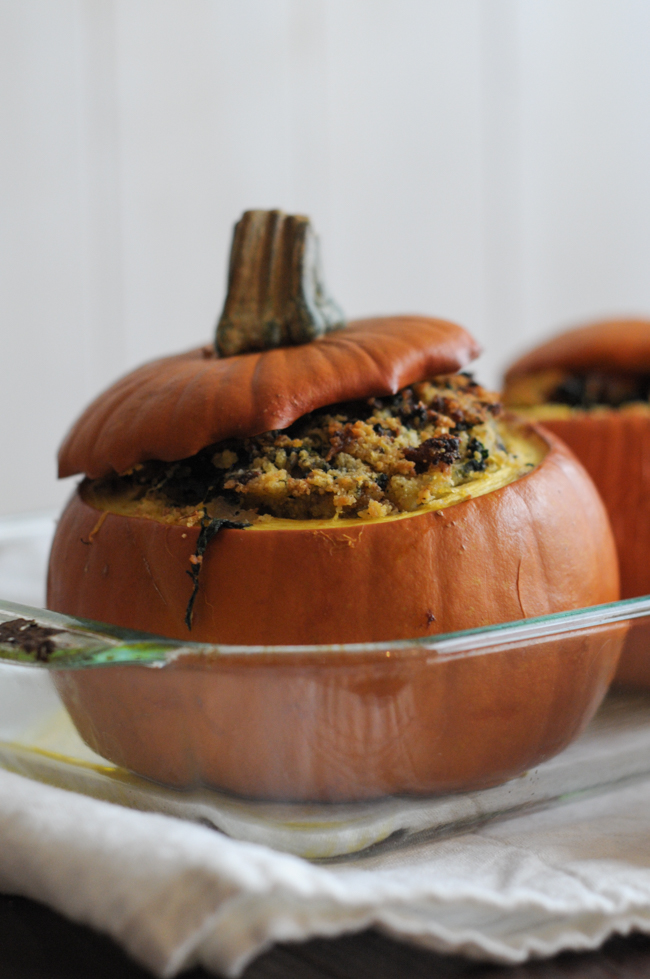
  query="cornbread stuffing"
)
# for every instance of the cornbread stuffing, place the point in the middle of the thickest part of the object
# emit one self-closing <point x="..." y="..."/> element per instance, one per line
<point x="366" y="459"/>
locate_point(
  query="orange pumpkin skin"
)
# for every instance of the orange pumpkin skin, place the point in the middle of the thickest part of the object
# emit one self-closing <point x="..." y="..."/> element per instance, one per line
<point x="335" y="726"/>
<point x="614" y="448"/>
<point x="538" y="545"/>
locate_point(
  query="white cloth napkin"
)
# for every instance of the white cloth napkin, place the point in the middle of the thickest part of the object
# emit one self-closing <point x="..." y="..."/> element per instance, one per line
<point x="174" y="894"/>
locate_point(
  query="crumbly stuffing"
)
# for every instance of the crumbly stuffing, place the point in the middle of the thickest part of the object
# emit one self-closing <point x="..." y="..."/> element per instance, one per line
<point x="366" y="459"/>
<point x="584" y="390"/>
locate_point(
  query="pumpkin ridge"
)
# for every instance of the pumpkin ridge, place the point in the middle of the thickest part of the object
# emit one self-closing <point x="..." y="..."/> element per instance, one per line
<point x="148" y="413"/>
<point x="90" y="428"/>
<point x="378" y="366"/>
<point x="197" y="384"/>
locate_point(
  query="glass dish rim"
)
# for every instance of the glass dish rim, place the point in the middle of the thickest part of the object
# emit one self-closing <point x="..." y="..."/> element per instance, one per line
<point x="103" y="645"/>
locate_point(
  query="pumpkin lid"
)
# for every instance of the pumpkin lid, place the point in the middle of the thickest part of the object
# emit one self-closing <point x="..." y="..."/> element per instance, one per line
<point x="172" y="408"/>
<point x="622" y="344"/>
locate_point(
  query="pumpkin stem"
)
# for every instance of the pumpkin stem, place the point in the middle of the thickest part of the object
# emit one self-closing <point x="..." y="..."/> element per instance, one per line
<point x="276" y="296"/>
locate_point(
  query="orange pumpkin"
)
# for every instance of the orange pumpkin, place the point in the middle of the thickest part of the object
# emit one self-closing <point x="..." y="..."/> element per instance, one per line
<point x="612" y="443"/>
<point x="538" y="544"/>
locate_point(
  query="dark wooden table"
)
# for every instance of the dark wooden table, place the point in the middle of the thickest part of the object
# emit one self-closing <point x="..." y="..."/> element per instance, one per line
<point x="36" y="943"/>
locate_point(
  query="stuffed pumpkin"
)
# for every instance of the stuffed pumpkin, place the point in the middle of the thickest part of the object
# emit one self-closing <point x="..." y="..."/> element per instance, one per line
<point x="591" y="386"/>
<point x="300" y="481"/>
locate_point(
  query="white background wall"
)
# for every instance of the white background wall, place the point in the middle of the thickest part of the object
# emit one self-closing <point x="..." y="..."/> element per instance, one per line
<point x="483" y="160"/>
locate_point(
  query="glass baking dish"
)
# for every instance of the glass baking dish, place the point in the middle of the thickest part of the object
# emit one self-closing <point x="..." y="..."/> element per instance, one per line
<point x="327" y="750"/>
